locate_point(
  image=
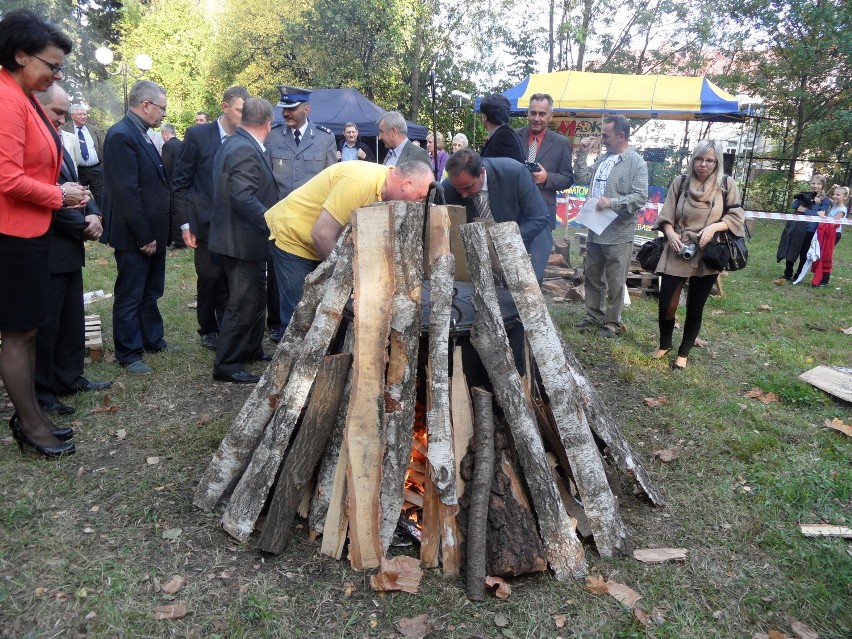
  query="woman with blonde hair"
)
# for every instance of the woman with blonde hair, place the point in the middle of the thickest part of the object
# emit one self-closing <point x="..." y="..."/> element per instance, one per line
<point x="698" y="205"/>
<point x="441" y="153"/>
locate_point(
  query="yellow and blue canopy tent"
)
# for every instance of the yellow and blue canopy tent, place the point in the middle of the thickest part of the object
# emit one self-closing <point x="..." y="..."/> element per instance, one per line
<point x="580" y="94"/>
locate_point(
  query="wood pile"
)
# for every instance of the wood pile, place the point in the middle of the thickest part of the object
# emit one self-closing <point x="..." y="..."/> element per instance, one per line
<point x="357" y="422"/>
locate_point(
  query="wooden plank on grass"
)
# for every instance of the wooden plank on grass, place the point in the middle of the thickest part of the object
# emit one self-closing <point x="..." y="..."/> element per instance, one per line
<point x="834" y="380"/>
<point x="373" y="270"/>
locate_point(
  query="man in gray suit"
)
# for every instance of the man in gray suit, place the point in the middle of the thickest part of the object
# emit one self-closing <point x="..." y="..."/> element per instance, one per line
<point x="547" y="149"/>
<point x="393" y="132"/>
<point x="619" y="179"/>
<point x="300" y="150"/>
<point x="243" y="189"/>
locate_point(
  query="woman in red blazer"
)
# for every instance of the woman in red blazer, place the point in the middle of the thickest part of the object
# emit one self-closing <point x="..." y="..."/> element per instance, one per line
<point x="31" y="55"/>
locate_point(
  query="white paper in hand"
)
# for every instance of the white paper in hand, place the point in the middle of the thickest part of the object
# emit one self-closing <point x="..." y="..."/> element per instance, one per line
<point x="593" y="219"/>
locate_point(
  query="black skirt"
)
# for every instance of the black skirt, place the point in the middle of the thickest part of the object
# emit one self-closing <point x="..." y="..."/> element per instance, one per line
<point x="24" y="282"/>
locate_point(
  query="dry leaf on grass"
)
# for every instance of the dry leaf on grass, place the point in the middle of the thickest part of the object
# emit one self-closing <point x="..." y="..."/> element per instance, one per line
<point x="172" y="533"/>
<point x="415" y="628"/>
<point x="775" y="634"/>
<point x="766" y="398"/>
<point x="622" y="593"/>
<point x="837" y="424"/>
<point x="175" y="583"/>
<point x="700" y="343"/>
<point x="173" y="611"/>
<point x="655" y="402"/>
<point x="649" y="619"/>
<point x="764" y="307"/>
<point x="400" y="573"/>
<point x="120" y="433"/>
<point x="560" y="620"/>
<point x="803" y="631"/>
<point x="667" y="455"/>
<point x="659" y="555"/>
<point x="501" y="620"/>
<point x="502" y="589"/>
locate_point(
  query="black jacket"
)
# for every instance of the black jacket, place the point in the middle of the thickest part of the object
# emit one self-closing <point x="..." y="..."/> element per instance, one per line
<point x="503" y="143"/>
<point x="192" y="178"/>
<point x="66" y="231"/>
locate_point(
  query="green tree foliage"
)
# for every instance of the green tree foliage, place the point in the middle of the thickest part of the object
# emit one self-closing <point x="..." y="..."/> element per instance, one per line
<point x="797" y="55"/>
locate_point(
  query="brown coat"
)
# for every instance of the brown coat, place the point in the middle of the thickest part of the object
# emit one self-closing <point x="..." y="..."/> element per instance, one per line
<point x="689" y="208"/>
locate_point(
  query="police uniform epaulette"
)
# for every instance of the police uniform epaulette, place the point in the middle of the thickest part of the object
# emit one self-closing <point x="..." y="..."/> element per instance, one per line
<point x="275" y="125"/>
<point x="324" y="129"/>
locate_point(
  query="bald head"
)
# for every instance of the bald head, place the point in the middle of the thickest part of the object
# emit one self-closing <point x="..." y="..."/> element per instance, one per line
<point x="55" y="103"/>
<point x="408" y="182"/>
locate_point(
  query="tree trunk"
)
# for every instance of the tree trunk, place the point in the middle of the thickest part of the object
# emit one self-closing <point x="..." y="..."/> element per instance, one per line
<point x="374" y="276"/>
<point x="480" y="494"/>
<point x="401" y="384"/>
<point x="305" y="453"/>
<point x="585" y="461"/>
<point x="248" y="426"/>
<point x="563" y="550"/>
<point x="251" y="492"/>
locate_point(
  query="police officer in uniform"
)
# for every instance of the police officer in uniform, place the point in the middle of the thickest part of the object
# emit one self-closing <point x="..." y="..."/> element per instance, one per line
<point x="300" y="149"/>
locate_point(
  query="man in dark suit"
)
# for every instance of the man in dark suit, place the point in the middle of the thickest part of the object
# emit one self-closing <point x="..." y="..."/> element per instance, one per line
<point x="137" y="220"/>
<point x="393" y="132"/>
<point x="192" y="185"/>
<point x="60" y="345"/>
<point x="88" y="151"/>
<point x="171" y="147"/>
<point x="502" y="190"/>
<point x="550" y="150"/>
<point x="244" y="188"/>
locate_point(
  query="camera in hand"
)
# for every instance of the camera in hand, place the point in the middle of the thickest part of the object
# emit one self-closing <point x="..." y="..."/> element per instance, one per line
<point x="532" y="166"/>
<point x="687" y="251"/>
<point x="805" y="198"/>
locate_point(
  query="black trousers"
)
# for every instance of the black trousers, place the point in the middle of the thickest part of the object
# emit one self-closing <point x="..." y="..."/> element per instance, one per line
<point x="60" y="344"/>
<point x="241" y="331"/>
<point x="696" y="298"/>
<point x="93" y="177"/>
<point x="212" y="290"/>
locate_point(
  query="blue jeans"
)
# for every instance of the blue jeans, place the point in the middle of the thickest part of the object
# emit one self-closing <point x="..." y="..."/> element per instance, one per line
<point x="137" y="325"/>
<point x="290" y="271"/>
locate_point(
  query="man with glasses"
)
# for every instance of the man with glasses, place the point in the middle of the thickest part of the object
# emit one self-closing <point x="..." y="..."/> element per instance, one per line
<point x="136" y="224"/>
<point x="619" y="179"/>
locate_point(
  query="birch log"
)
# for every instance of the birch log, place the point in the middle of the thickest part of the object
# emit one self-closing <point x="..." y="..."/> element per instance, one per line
<point x="440" y="451"/>
<point x="374" y="281"/>
<point x="610" y="533"/>
<point x="480" y="494"/>
<point x="251" y="492"/>
<point x="563" y="550"/>
<point x="305" y="452"/>
<point x="248" y="426"/>
<point x="401" y="385"/>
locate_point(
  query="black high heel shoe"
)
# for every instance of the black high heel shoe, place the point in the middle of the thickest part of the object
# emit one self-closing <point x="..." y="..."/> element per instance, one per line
<point x="65" y="448"/>
<point x="62" y="434"/>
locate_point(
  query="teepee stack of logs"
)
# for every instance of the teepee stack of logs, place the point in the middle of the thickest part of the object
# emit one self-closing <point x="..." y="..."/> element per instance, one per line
<point x="516" y="471"/>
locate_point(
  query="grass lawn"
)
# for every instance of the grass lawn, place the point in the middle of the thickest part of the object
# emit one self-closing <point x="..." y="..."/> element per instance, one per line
<point x="86" y="542"/>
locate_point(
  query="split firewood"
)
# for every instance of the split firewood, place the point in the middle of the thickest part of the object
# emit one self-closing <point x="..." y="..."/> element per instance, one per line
<point x="248" y="426"/>
<point x="400" y="389"/>
<point x="563" y="550"/>
<point x="480" y="494"/>
<point x="251" y="492"/>
<point x="327" y="473"/>
<point x="373" y="277"/>
<point x="400" y="573"/>
<point x="601" y="507"/>
<point x="305" y="452"/>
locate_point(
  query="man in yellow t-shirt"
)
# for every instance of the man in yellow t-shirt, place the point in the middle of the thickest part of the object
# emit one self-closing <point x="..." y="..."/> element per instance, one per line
<point x="306" y="224"/>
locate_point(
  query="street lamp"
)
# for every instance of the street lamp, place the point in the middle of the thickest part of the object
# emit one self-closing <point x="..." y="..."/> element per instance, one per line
<point x="143" y="63"/>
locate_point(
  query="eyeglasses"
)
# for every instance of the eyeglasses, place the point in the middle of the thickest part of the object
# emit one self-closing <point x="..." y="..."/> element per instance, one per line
<point x="162" y="108"/>
<point x="55" y="69"/>
<point x="705" y="161"/>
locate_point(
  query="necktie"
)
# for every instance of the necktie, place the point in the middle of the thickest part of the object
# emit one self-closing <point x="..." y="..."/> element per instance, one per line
<point x="533" y="150"/>
<point x="390" y="157"/>
<point x="482" y="205"/>
<point x="298" y="135"/>
<point x="84" y="150"/>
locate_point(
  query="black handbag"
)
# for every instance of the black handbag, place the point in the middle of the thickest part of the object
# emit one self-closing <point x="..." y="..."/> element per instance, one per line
<point x="650" y="253"/>
<point x="725" y="252"/>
